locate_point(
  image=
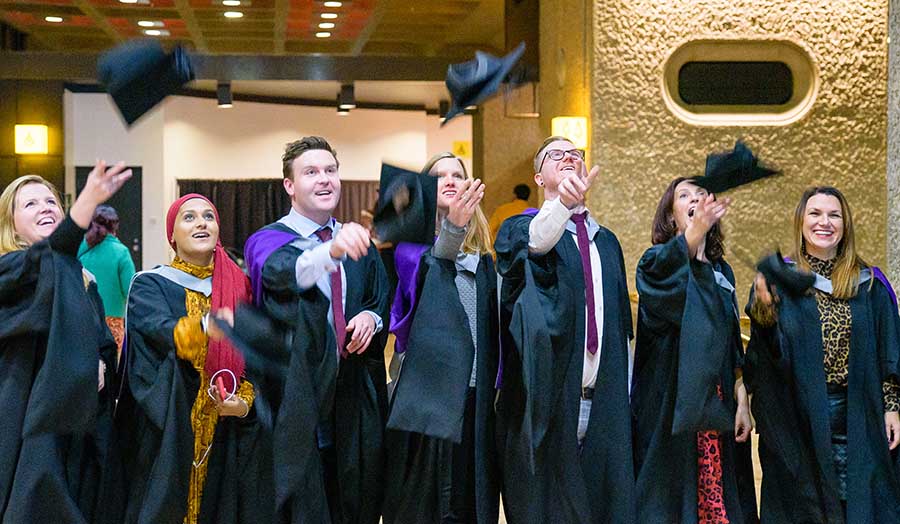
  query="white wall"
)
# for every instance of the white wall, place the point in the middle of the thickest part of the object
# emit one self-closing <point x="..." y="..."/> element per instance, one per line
<point x="192" y="138"/>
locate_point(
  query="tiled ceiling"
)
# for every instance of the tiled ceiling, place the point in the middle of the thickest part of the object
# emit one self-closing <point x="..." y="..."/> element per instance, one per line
<point x="268" y="27"/>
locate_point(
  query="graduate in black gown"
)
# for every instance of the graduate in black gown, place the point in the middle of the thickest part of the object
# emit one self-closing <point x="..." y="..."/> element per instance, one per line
<point x="57" y="357"/>
<point x="191" y="443"/>
<point x="823" y="368"/>
<point x="325" y="285"/>
<point x="442" y="464"/>
<point x="691" y="410"/>
<point x="563" y="420"/>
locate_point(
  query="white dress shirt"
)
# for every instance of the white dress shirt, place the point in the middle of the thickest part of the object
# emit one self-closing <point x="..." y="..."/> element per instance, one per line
<point x="315" y="265"/>
<point x="545" y="231"/>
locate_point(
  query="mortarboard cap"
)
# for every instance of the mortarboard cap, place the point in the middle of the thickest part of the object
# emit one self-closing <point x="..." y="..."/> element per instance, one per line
<point x="786" y="277"/>
<point x="732" y="169"/>
<point x="140" y="74"/>
<point x="407" y="206"/>
<point x="472" y="82"/>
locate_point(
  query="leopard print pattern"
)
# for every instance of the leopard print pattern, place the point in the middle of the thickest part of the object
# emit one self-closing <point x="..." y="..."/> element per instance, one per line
<point x="837" y="320"/>
<point x="710" y="493"/>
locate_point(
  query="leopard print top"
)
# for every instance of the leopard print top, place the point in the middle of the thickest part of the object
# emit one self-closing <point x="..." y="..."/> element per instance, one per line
<point x="836" y="320"/>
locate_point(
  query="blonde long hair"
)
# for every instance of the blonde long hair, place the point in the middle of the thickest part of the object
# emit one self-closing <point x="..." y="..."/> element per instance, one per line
<point x="9" y="239"/>
<point x="478" y="239"/>
<point x="847" y="263"/>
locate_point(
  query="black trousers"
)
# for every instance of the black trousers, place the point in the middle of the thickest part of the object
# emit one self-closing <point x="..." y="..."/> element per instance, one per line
<point x="837" y="411"/>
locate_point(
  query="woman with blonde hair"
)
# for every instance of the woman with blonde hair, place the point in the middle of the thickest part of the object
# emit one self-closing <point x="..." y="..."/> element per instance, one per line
<point x="441" y="456"/>
<point x="823" y="368"/>
<point x="57" y="357"/>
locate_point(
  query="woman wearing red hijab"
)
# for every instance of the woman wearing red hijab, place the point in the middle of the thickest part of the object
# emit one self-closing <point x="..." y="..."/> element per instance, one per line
<point x="191" y="435"/>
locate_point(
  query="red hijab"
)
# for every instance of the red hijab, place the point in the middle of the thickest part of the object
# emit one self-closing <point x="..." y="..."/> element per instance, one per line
<point x="230" y="287"/>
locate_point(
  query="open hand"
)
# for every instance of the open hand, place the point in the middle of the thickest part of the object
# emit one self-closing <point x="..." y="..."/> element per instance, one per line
<point x="101" y="184"/>
<point x="464" y="204"/>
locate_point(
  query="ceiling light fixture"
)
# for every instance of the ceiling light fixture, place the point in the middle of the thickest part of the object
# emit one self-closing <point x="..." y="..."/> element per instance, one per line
<point x="341" y="110"/>
<point x="333" y="4"/>
<point x="150" y="23"/>
<point x="326" y="25"/>
<point x="128" y="1"/>
<point x="329" y="16"/>
<point x="233" y="14"/>
<point x="347" y="98"/>
<point x="53" y="19"/>
<point x="323" y="34"/>
<point x="223" y="94"/>
<point x="153" y="32"/>
<point x="231" y="3"/>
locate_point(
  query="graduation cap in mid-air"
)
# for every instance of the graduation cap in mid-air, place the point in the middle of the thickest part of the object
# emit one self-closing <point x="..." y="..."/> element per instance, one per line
<point x="732" y="169"/>
<point x="407" y="206"/>
<point x="786" y="277"/>
<point x="472" y="82"/>
<point x="140" y="74"/>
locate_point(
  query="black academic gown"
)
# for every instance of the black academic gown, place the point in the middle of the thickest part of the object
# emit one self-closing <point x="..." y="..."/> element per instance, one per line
<point x="321" y="388"/>
<point x="546" y="477"/>
<point x="785" y="373"/>
<point x="153" y="428"/>
<point x="688" y="342"/>
<point x="54" y="429"/>
<point x="430" y="398"/>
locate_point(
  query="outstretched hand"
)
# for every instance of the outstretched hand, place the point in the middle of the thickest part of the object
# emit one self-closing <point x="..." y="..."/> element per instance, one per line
<point x="574" y="187"/>
<point x="464" y="204"/>
<point x="101" y="185"/>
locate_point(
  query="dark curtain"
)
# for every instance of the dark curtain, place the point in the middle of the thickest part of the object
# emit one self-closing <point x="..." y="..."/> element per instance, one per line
<point x="244" y="206"/>
<point x="356" y="196"/>
<point x="247" y="205"/>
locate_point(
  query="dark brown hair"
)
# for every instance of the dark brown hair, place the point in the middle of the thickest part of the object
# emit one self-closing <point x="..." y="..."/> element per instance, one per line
<point x="664" y="228"/>
<point x="105" y="222"/>
<point x="294" y="149"/>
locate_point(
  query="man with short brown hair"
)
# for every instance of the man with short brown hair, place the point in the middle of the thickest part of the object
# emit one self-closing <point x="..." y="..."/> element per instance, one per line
<point x="324" y="282"/>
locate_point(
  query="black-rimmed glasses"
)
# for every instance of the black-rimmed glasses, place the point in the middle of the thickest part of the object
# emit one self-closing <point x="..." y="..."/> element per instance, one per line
<point x="558" y="154"/>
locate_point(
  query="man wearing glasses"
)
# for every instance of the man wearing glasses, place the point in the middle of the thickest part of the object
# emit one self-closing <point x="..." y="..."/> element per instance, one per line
<point x="563" y="414"/>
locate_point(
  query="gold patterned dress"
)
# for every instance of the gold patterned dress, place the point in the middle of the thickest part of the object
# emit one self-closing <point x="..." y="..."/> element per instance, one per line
<point x="191" y="345"/>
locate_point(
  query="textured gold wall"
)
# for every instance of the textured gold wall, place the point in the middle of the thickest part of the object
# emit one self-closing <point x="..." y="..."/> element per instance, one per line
<point x="641" y="146"/>
<point x="504" y="148"/>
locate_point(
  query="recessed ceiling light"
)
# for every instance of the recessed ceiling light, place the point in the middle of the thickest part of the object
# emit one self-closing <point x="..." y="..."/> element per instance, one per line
<point x="333" y="4"/>
<point x="53" y="19"/>
<point x="329" y="16"/>
<point x="323" y="34"/>
<point x="128" y="1"/>
<point x="233" y="14"/>
<point x="326" y="25"/>
<point x="153" y="32"/>
<point x="150" y="23"/>
<point x="231" y="3"/>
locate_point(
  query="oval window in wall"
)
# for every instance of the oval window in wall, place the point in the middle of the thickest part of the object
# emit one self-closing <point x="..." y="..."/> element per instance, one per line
<point x="739" y="82"/>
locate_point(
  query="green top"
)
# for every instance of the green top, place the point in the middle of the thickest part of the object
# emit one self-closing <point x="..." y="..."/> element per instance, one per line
<point x="110" y="262"/>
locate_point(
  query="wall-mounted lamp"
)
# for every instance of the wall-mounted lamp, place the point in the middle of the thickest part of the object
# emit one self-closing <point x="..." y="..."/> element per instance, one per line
<point x="572" y="127"/>
<point x="347" y="98"/>
<point x="31" y="139"/>
<point x="223" y="93"/>
<point x="443" y="109"/>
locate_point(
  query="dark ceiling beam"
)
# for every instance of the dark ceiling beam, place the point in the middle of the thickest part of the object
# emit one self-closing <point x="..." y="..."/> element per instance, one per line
<point x="282" y="9"/>
<point x="374" y="21"/>
<point x="30" y="35"/>
<point x="99" y="19"/>
<point x="52" y="65"/>
<point x="190" y="22"/>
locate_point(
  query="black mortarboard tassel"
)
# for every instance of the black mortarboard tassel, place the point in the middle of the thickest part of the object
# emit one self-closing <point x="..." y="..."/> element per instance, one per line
<point x="732" y="169"/>
<point x="407" y="206"/>
<point x="784" y="276"/>
<point x="140" y="74"/>
<point x="472" y="82"/>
